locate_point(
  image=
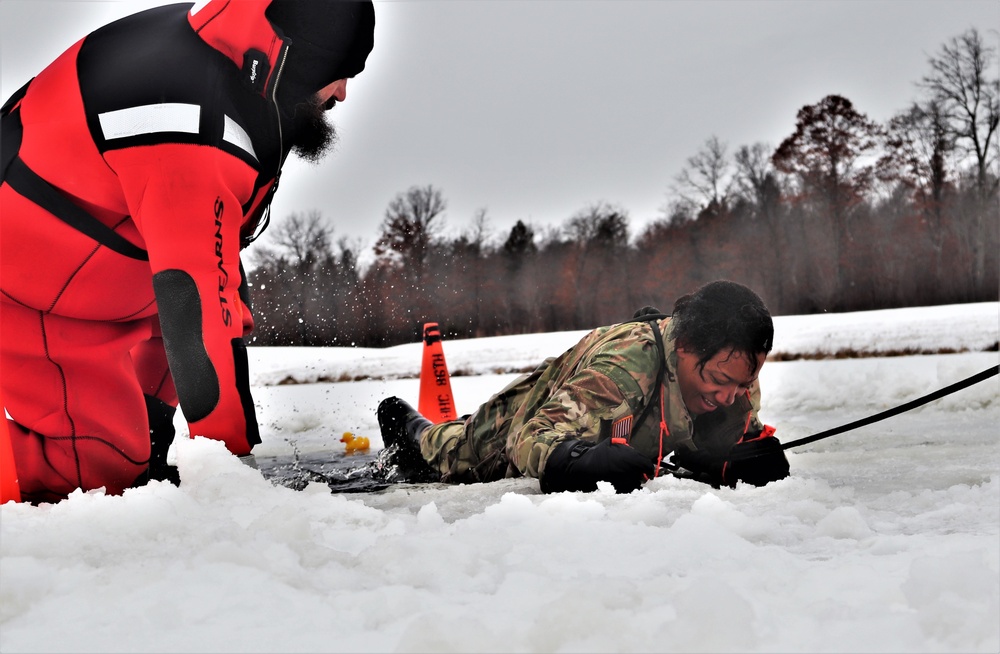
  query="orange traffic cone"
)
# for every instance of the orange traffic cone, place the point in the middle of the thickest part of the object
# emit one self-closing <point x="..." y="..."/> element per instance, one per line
<point x="436" y="402"/>
<point x="9" y="488"/>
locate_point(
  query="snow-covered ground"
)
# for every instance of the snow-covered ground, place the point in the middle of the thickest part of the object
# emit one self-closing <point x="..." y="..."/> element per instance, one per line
<point x="884" y="539"/>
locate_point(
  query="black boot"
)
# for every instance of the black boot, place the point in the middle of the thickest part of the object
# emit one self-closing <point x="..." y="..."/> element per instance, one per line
<point x="401" y="426"/>
<point x="400" y="423"/>
<point x="161" y="435"/>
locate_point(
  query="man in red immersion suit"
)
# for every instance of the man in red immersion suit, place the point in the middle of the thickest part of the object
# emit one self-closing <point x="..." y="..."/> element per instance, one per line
<point x="135" y="168"/>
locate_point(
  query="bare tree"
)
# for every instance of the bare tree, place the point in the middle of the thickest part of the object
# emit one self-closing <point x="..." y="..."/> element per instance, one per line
<point x="754" y="176"/>
<point x="306" y="238"/>
<point x="830" y="155"/>
<point x="478" y="234"/>
<point x="412" y="221"/>
<point x="599" y="224"/>
<point x="758" y="187"/>
<point x="708" y="180"/>
<point x="827" y="153"/>
<point x="292" y="282"/>
<point x="461" y="279"/>
<point x="963" y="81"/>
<point x="918" y="145"/>
<point x="598" y="236"/>
<point x="349" y="254"/>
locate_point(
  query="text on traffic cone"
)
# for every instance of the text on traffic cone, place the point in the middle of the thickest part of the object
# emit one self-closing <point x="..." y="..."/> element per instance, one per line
<point x="436" y="401"/>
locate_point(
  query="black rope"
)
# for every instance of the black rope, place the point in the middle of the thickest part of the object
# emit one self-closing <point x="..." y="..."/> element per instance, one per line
<point x="920" y="401"/>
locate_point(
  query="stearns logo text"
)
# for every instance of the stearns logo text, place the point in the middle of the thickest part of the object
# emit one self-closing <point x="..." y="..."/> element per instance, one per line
<point x="227" y="316"/>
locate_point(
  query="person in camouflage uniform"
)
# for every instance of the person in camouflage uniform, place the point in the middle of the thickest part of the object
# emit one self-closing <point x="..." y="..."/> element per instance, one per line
<point x="615" y="404"/>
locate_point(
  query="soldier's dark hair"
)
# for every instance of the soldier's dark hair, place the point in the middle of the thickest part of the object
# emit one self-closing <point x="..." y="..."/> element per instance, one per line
<point x="722" y="315"/>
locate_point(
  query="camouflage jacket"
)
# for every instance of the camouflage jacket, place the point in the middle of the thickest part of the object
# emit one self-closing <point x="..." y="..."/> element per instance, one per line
<point x="599" y="386"/>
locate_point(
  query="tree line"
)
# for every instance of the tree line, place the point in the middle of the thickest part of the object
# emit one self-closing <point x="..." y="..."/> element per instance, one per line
<point x="845" y="214"/>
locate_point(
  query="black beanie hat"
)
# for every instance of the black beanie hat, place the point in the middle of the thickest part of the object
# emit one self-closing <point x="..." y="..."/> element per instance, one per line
<point x="330" y="39"/>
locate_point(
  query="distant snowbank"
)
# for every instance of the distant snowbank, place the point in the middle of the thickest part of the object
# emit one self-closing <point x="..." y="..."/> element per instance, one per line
<point x="954" y="328"/>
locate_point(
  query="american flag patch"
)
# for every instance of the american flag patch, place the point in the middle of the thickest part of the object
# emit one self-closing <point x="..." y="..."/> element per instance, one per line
<point x="622" y="428"/>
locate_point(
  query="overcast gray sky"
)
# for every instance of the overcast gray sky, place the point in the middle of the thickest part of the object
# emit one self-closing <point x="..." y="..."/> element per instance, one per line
<point x="536" y="109"/>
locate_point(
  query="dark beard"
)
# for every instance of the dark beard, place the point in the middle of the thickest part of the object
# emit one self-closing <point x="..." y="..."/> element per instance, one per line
<point x="312" y="135"/>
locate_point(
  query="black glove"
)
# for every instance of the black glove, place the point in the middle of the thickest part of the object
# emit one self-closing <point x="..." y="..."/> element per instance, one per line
<point x="757" y="461"/>
<point x="576" y="465"/>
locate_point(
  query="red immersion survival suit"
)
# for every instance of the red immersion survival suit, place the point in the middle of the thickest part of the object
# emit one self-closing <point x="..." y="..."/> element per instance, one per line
<point x="135" y="166"/>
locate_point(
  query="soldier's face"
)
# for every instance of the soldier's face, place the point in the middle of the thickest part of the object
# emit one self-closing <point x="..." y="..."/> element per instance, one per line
<point x="716" y="384"/>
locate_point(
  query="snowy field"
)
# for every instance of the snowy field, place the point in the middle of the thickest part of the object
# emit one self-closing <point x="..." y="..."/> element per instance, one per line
<point x="884" y="539"/>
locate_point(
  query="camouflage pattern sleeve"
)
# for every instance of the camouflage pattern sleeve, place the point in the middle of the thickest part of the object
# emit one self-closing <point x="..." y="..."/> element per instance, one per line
<point x="604" y="382"/>
<point x="575" y="411"/>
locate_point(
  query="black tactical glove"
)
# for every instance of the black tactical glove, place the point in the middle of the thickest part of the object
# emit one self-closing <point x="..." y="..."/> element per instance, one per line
<point x="576" y="465"/>
<point x="757" y="461"/>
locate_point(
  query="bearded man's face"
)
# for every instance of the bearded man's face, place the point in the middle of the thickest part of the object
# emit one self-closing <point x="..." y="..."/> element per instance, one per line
<point x="312" y="134"/>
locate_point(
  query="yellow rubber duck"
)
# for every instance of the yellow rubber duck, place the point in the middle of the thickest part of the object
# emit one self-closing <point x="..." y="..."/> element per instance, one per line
<point x="355" y="443"/>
